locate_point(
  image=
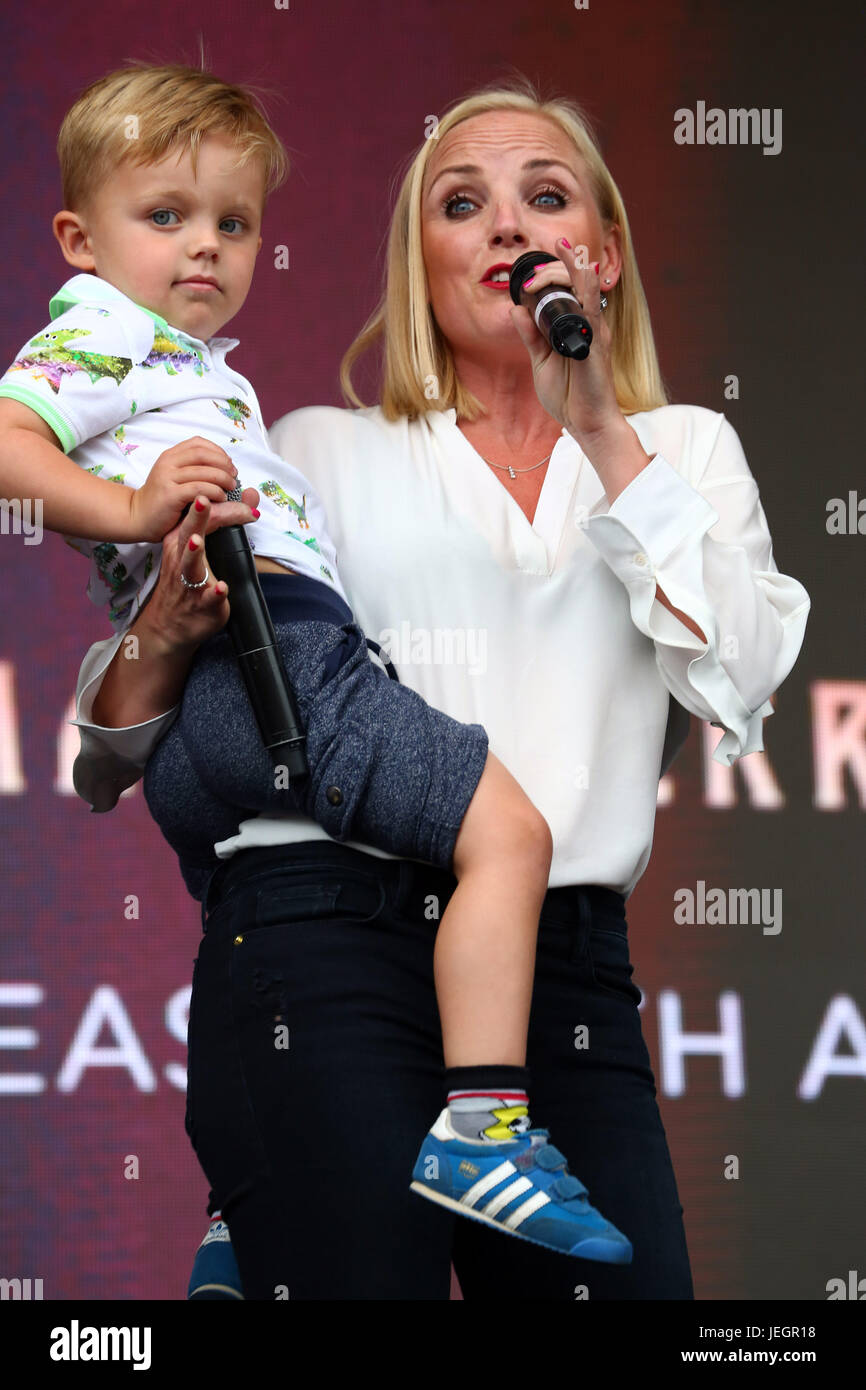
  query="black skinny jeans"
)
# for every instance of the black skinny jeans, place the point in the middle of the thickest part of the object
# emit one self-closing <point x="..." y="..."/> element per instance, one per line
<point x="316" y="1068"/>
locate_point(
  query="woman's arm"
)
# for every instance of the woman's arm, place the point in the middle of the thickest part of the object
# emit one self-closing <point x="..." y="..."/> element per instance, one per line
<point x="618" y="460"/>
<point x="145" y="677"/>
<point x="110" y="758"/>
<point x="140" y="688"/>
<point x="706" y="545"/>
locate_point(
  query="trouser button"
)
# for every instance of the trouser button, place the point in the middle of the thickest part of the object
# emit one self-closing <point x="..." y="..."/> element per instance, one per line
<point x="335" y="796"/>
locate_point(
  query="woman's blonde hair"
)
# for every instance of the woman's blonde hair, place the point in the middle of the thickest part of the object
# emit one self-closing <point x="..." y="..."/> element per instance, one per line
<point x="140" y="113"/>
<point x="418" y="368"/>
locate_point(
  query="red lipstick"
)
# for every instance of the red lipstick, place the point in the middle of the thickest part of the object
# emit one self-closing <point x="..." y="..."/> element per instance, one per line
<point x="502" y="270"/>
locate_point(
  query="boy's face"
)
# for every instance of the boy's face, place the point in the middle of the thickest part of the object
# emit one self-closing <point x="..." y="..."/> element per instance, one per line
<point x="152" y="230"/>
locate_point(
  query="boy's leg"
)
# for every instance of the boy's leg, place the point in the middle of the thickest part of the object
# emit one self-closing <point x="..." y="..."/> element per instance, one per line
<point x="600" y="1104"/>
<point x="485" y="947"/>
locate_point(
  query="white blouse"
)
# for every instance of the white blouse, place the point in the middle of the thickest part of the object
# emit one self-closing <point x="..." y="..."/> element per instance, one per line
<point x="549" y="634"/>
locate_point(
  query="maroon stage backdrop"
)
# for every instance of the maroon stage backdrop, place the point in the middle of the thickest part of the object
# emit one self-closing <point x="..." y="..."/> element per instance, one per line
<point x="758" y="1040"/>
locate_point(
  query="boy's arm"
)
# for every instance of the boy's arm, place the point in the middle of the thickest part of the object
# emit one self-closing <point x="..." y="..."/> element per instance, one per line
<point x="74" y="502"/>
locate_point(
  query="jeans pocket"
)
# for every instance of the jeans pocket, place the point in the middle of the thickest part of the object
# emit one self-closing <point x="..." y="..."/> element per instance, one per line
<point x="307" y="896"/>
<point x="610" y="966"/>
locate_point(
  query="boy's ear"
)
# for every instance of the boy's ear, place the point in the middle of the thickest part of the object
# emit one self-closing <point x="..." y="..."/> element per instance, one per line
<point x="71" y="232"/>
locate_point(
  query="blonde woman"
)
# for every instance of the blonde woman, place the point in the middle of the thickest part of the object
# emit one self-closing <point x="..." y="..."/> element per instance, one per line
<point x="586" y="546"/>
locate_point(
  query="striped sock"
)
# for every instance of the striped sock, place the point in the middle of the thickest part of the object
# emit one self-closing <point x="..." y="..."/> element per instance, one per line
<point x="488" y="1104"/>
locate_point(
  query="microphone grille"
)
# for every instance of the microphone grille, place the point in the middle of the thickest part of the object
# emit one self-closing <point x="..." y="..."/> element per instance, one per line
<point x="521" y="267"/>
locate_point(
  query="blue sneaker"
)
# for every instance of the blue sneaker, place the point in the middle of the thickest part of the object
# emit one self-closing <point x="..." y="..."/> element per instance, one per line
<point x="215" y="1273"/>
<point x="522" y="1187"/>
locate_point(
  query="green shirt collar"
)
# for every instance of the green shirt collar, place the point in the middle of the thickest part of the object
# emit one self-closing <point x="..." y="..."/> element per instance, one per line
<point x="84" y="289"/>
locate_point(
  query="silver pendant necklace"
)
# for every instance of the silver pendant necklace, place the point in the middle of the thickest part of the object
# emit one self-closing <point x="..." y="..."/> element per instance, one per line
<point x="513" y="472"/>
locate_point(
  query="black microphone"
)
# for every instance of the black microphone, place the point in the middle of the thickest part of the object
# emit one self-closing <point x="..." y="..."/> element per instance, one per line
<point x="254" y="640"/>
<point x="555" y="309"/>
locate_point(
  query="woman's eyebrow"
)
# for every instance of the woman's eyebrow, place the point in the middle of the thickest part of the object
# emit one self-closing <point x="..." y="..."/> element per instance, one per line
<point x="455" y="169"/>
<point x="550" y="164"/>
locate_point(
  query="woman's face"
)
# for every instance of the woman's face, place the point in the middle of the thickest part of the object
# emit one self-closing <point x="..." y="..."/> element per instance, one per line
<point x="497" y="185"/>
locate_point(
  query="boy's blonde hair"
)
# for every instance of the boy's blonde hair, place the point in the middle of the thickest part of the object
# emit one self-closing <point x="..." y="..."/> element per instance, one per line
<point x="140" y="113"/>
<point x="418" y="369"/>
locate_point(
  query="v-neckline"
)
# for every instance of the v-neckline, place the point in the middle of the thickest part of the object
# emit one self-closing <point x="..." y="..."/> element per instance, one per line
<point x="536" y="542"/>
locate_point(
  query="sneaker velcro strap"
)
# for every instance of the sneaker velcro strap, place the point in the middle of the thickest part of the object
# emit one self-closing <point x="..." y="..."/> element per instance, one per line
<point x="549" y="1157"/>
<point x="568" y="1187"/>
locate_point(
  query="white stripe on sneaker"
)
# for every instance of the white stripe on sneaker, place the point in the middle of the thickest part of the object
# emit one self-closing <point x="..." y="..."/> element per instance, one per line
<point x="532" y="1205"/>
<point x="508" y="1194"/>
<point x="483" y="1185"/>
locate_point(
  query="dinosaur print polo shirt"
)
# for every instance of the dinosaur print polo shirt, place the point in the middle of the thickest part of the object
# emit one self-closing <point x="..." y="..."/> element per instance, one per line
<point x="118" y="386"/>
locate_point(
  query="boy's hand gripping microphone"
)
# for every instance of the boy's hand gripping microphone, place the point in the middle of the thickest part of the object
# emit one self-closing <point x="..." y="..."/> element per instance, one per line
<point x="255" y="643"/>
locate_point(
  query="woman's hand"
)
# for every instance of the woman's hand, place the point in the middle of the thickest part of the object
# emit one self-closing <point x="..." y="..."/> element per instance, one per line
<point x="181" y="618"/>
<point x="580" y="395"/>
<point x="145" y="679"/>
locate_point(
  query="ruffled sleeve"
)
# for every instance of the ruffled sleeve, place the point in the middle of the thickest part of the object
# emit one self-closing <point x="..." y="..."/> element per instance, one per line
<point x="110" y="760"/>
<point x="708" y="547"/>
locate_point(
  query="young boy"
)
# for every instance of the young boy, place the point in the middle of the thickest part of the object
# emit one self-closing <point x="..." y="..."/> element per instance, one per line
<point x="166" y="171"/>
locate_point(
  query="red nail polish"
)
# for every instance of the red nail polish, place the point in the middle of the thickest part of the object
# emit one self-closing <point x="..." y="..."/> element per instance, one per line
<point x="192" y="544"/>
<point x="595" y="267"/>
<point x="256" y="513"/>
<point x="566" y="244"/>
<point x="199" y="506"/>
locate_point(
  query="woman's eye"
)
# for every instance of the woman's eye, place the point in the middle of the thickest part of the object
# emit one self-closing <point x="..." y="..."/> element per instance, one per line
<point x="460" y="203"/>
<point x="163" y="212"/>
<point x="452" y="206"/>
<point x="556" y="194"/>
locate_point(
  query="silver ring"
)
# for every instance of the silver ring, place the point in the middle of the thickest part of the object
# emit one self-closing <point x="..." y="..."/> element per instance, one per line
<point x="201" y="582"/>
<point x="603" y="301"/>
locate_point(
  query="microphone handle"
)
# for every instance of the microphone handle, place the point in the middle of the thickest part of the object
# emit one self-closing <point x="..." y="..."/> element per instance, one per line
<point x="255" y="644"/>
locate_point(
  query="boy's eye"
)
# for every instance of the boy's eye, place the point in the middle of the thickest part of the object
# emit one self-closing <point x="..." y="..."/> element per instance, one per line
<point x="161" y="215"/>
